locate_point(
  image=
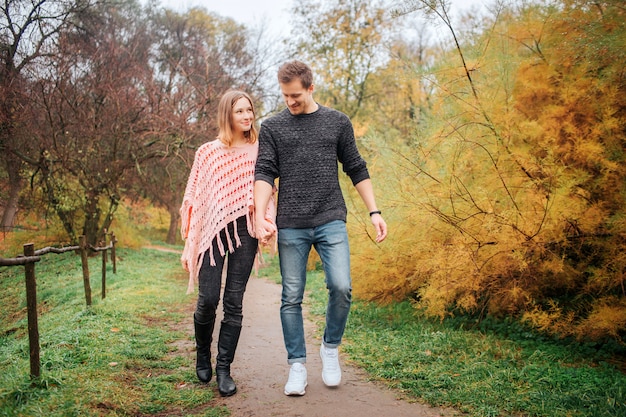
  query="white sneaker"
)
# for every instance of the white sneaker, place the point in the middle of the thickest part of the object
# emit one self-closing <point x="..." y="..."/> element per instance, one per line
<point x="331" y="372"/>
<point x="297" y="380"/>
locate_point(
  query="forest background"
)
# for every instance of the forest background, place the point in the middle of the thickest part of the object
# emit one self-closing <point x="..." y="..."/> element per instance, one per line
<point x="496" y="141"/>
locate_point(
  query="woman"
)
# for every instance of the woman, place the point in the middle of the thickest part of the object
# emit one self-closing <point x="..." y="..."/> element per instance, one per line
<point x="217" y="215"/>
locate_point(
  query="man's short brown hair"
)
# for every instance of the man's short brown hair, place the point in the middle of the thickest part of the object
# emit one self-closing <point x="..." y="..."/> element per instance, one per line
<point x="291" y="70"/>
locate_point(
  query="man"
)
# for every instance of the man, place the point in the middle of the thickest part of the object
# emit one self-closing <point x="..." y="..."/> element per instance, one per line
<point x="300" y="146"/>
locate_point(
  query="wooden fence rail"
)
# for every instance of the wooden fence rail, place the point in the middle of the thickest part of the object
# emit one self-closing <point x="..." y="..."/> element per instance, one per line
<point x="32" y="256"/>
<point x="22" y="260"/>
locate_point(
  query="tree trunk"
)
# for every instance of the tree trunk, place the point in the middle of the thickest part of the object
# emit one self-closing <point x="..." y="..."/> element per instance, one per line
<point x="15" y="186"/>
<point x="92" y="218"/>
<point x="173" y="230"/>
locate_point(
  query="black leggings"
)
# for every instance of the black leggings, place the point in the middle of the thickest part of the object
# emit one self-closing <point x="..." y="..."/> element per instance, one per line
<point x="240" y="263"/>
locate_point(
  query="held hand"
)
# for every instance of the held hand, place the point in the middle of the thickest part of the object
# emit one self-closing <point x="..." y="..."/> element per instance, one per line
<point x="265" y="231"/>
<point x="380" y="226"/>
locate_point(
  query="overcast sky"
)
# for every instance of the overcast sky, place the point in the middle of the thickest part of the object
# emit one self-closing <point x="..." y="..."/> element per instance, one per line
<point x="244" y="11"/>
<point x="275" y="12"/>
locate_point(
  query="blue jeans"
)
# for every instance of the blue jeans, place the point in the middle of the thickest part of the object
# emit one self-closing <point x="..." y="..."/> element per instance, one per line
<point x="330" y="240"/>
<point x="240" y="263"/>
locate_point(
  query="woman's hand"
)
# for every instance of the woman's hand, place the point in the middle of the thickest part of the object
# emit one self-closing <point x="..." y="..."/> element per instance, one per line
<point x="265" y="231"/>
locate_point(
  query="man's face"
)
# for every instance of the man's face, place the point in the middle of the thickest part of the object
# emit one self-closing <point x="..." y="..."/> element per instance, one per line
<point x="299" y="100"/>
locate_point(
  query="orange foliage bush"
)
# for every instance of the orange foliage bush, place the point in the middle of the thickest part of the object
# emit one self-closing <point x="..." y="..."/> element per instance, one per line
<point x="510" y="198"/>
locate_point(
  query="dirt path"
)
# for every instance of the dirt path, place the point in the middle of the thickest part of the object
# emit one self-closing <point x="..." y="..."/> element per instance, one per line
<point x="260" y="371"/>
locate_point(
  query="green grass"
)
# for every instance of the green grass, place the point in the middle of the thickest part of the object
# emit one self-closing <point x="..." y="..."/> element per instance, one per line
<point x="499" y="370"/>
<point x="482" y="373"/>
<point x="114" y="358"/>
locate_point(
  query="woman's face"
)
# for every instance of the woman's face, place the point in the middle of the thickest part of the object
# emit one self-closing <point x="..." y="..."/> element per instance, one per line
<point x="242" y="115"/>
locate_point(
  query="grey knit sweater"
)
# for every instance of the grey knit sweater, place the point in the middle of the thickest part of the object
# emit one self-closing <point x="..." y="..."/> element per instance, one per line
<point x="302" y="151"/>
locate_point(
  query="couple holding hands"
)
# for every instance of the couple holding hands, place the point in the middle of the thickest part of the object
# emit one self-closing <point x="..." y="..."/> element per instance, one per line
<point x="229" y="210"/>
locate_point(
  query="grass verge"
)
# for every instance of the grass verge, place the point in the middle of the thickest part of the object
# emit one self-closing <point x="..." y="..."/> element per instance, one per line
<point x="482" y="373"/>
<point x="115" y="358"/>
<point x="499" y="371"/>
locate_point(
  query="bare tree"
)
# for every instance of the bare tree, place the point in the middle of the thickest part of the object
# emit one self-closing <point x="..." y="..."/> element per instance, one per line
<point x="28" y="33"/>
<point x="95" y="124"/>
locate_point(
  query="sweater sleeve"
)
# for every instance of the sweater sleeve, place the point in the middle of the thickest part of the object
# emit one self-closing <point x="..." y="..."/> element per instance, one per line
<point x="348" y="154"/>
<point x="267" y="160"/>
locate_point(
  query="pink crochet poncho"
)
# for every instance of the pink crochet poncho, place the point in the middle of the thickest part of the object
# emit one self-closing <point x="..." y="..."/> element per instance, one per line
<point x="219" y="191"/>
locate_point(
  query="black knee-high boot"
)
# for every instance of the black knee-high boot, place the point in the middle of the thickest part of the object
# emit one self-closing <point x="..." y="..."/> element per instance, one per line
<point x="226" y="346"/>
<point x="204" y="337"/>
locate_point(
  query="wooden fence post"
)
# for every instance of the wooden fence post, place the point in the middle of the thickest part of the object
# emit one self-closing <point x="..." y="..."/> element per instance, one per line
<point x="31" y="307"/>
<point x="85" y="262"/>
<point x="104" y="268"/>
<point x="113" y="242"/>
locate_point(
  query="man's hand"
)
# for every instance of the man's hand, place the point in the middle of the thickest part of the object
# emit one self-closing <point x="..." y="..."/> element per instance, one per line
<point x="265" y="230"/>
<point x="380" y="226"/>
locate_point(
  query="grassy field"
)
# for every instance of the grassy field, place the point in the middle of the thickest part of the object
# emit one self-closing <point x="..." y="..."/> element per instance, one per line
<point x="491" y="369"/>
<point x="118" y="357"/>
<point x="115" y="358"/>
<point x="484" y="373"/>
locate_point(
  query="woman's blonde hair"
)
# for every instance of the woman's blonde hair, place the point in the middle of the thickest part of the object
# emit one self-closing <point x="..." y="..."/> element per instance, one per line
<point x="224" y="117"/>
